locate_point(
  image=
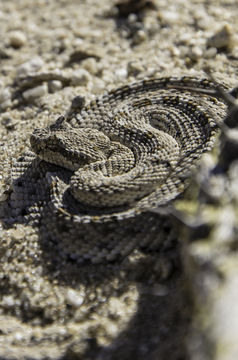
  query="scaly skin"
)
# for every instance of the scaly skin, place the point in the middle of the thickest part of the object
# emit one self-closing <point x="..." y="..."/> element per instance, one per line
<point x="126" y="147"/>
<point x="125" y="153"/>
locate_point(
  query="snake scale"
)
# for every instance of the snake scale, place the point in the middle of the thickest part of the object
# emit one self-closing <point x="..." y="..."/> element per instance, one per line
<point x="93" y="175"/>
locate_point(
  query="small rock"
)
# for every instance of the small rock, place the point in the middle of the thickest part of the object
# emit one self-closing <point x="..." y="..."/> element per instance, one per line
<point x="121" y="73"/>
<point x="139" y="37"/>
<point x="8" y="301"/>
<point x="17" y="39"/>
<point x="210" y="53"/>
<point x="80" y="77"/>
<point x="4" y="54"/>
<point x="16" y="234"/>
<point x="30" y="66"/>
<point x="18" y="337"/>
<point x="223" y="39"/>
<point x="92" y="66"/>
<point x="216" y="187"/>
<point x="35" y="92"/>
<point x="5" y="95"/>
<point x="195" y="53"/>
<point x="132" y="18"/>
<point x="74" y="298"/>
<point x="224" y="229"/>
<point x="168" y="17"/>
<point x="54" y="85"/>
<point x="5" y="98"/>
<point x="134" y="68"/>
<point x="8" y="122"/>
<point x="175" y="51"/>
<point x="78" y="103"/>
<point x="98" y="85"/>
<point x="203" y="22"/>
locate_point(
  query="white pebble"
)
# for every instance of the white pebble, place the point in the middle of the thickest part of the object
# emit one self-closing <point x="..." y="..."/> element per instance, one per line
<point x="35" y="92"/>
<point x="17" y="39"/>
<point x="5" y="94"/>
<point x="121" y="73"/>
<point x="74" y="298"/>
<point x="92" y="66"/>
<point x="54" y="85"/>
<point x="139" y="37"/>
<point x="169" y="17"/>
<point x="5" y="99"/>
<point x="30" y="66"/>
<point x="210" y="53"/>
<point x="18" y="336"/>
<point x="8" y="301"/>
<point x="80" y="77"/>
<point x="195" y="53"/>
<point x="17" y="234"/>
<point x="134" y="68"/>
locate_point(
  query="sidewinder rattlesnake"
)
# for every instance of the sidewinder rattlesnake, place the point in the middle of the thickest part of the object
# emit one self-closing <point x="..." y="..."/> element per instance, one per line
<point x="94" y="174"/>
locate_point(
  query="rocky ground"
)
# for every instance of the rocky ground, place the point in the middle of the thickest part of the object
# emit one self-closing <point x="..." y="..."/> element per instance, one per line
<point x="180" y="303"/>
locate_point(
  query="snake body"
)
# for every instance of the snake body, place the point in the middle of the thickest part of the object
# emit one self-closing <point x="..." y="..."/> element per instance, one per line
<point x="134" y="146"/>
<point x="93" y="176"/>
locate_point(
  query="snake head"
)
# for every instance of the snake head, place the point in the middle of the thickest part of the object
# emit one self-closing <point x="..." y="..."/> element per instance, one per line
<point x="69" y="147"/>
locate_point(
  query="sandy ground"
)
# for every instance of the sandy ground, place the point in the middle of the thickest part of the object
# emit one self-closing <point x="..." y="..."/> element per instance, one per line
<point x="139" y="308"/>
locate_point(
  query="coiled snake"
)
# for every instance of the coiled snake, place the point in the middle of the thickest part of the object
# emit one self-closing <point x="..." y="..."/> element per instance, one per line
<point x="126" y="152"/>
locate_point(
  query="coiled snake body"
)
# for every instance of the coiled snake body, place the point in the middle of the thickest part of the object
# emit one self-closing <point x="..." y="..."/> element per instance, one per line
<point x="126" y="152"/>
<point x="134" y="146"/>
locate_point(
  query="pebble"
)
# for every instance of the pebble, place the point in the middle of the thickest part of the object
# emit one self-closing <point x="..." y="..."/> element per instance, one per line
<point x="92" y="66"/>
<point x="8" y="122"/>
<point x="210" y="53"/>
<point x="168" y="17"/>
<point x="5" y="98"/>
<point x="8" y="301"/>
<point x="121" y="73"/>
<point x="17" y="39"/>
<point x="195" y="53"/>
<point x="175" y="51"/>
<point x="35" y="92"/>
<point x="224" y="229"/>
<point x="30" y="66"/>
<point x="98" y="85"/>
<point x="134" y="68"/>
<point x="54" y="85"/>
<point x="74" y="298"/>
<point x="78" y="102"/>
<point x="80" y="77"/>
<point x="16" y="234"/>
<point x="18" y="336"/>
<point x="222" y="39"/>
<point x="139" y="37"/>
